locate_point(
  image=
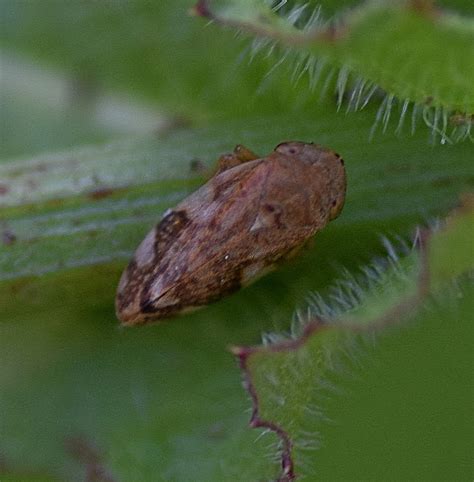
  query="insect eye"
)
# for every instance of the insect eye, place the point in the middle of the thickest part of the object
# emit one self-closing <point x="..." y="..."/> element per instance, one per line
<point x="286" y="148"/>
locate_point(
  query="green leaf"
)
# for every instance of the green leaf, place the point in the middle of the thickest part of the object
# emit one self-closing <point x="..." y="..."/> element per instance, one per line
<point x="359" y="48"/>
<point x="297" y="385"/>
<point x="451" y="250"/>
<point x="404" y="411"/>
<point x="81" y="397"/>
<point x="93" y="205"/>
<point x="169" y="396"/>
<point x="158" y="404"/>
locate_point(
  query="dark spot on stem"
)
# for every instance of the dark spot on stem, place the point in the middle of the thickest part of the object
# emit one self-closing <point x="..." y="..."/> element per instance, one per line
<point x="8" y="237"/>
<point x="101" y="193"/>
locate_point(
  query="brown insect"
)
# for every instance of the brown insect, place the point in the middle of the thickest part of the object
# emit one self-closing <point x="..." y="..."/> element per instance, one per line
<point x="252" y="213"/>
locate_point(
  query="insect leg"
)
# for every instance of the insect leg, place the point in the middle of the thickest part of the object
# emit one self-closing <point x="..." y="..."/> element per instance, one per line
<point x="244" y="154"/>
<point x="240" y="155"/>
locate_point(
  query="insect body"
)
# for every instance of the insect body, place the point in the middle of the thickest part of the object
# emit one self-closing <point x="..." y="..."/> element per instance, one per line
<point x="252" y="213"/>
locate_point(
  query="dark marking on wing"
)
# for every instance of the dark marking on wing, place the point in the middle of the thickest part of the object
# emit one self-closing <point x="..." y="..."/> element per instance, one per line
<point x="222" y="187"/>
<point x="275" y="211"/>
<point x="126" y="296"/>
<point x="167" y="231"/>
<point x="147" y="306"/>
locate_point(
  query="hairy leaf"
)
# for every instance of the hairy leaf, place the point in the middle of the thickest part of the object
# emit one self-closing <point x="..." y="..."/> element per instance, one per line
<point x="419" y="55"/>
<point x="297" y="384"/>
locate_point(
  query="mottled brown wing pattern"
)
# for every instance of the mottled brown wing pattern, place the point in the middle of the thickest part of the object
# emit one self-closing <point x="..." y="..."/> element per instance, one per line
<point x="172" y="262"/>
<point x="232" y="230"/>
<point x="147" y="261"/>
